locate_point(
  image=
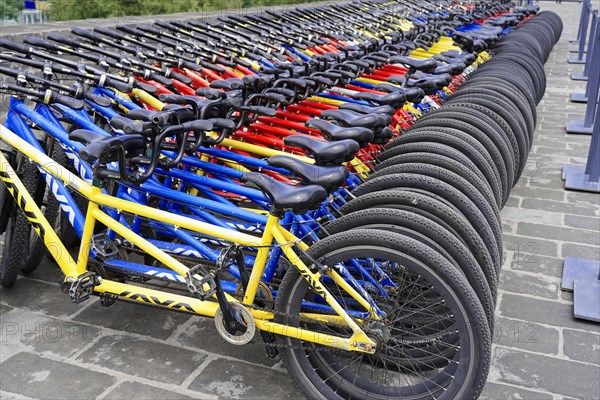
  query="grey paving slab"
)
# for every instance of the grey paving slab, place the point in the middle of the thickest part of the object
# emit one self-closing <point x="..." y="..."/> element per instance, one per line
<point x="139" y="391"/>
<point x="537" y="285"/>
<point x="528" y="248"/>
<point x="548" y="374"/>
<point x="582" y="346"/>
<point x="545" y="266"/>
<point x="542" y="311"/>
<point x="232" y="379"/>
<point x="559" y="206"/>
<point x="22" y="329"/>
<point x="526" y="336"/>
<point x="39" y="296"/>
<point x="587" y="223"/>
<point x="148" y="359"/>
<point x="559" y="233"/>
<point x="37" y="377"/>
<point x="496" y="391"/>
<point x="129" y="317"/>
<point x="581" y="251"/>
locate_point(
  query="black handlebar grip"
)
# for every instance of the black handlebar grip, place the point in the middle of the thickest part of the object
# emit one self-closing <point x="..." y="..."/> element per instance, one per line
<point x="149" y="29"/>
<point x="173" y="99"/>
<point x="227" y="84"/>
<point x="34" y="41"/>
<point x="211" y="94"/>
<point x="250" y="79"/>
<point x="57" y="37"/>
<point x="180" y="77"/>
<point x="16" y="47"/>
<point x="289" y="93"/>
<point x="145" y="87"/>
<point x="127" y="28"/>
<point x="200" y="125"/>
<point x="100" y="100"/>
<point x="93" y="151"/>
<point x="190" y="65"/>
<point x="213" y="67"/>
<point x="86" y="34"/>
<point x="259" y="110"/>
<point x="66" y="101"/>
<point x="276" y="97"/>
<point x="109" y="32"/>
<point x="222" y="123"/>
<point x="127" y="125"/>
<point x="118" y="84"/>
<point x="153" y="76"/>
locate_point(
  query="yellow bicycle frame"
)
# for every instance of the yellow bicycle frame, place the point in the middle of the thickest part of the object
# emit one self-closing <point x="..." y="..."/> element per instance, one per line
<point x="72" y="269"/>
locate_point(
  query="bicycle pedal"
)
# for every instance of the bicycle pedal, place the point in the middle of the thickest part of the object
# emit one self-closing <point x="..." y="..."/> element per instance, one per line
<point x="82" y="288"/>
<point x="196" y="286"/>
<point x="268" y="339"/>
<point x="104" y="247"/>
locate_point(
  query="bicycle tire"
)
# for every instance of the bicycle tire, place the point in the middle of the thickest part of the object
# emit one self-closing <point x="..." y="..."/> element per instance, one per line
<point x="454" y="138"/>
<point x="468" y="172"/>
<point x="499" y="156"/>
<point x="18" y="230"/>
<point x="434" y="209"/>
<point x="474" y="193"/>
<point x="483" y="219"/>
<point x="312" y="370"/>
<point x="518" y="142"/>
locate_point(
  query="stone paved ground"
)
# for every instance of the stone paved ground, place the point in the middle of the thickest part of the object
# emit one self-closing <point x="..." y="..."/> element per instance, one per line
<point x="51" y="348"/>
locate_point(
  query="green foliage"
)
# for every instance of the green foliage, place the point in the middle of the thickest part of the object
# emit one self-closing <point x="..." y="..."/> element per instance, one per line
<point x="64" y="10"/>
<point x="9" y="9"/>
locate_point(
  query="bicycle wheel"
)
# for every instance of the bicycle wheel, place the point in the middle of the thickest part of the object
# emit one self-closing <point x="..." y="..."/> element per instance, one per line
<point x="403" y="365"/>
<point x="430" y="233"/>
<point x="18" y="230"/>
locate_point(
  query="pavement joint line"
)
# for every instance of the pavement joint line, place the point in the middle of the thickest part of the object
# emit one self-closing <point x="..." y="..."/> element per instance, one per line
<point x="82" y="309"/>
<point x="546" y="355"/>
<point x="544" y="325"/>
<point x="16" y="396"/>
<point x="548" y="278"/>
<point x="88" y="346"/>
<point x="522" y="387"/>
<point x="196" y="373"/>
<point x="531" y="296"/>
<point x="561" y="345"/>
<point x="179" y="330"/>
<point x="110" y="388"/>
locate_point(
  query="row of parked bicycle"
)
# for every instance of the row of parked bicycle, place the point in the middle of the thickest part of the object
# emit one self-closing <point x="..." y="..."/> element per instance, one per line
<point x="330" y="177"/>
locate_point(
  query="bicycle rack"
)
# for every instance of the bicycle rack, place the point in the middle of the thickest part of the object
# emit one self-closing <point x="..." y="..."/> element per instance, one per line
<point x="582" y="277"/>
<point x="580" y="59"/>
<point x="586" y="125"/>
<point x="586" y="178"/>
<point x="578" y="76"/>
<point x="584" y="10"/>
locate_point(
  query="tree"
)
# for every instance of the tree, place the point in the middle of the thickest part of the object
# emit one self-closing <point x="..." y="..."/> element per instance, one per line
<point x="9" y="9"/>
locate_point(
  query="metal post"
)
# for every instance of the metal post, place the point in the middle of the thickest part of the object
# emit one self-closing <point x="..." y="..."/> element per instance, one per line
<point x="585" y="126"/>
<point x="577" y="76"/>
<point x="583" y="11"/>
<point x="587" y="178"/>
<point x="580" y="59"/>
